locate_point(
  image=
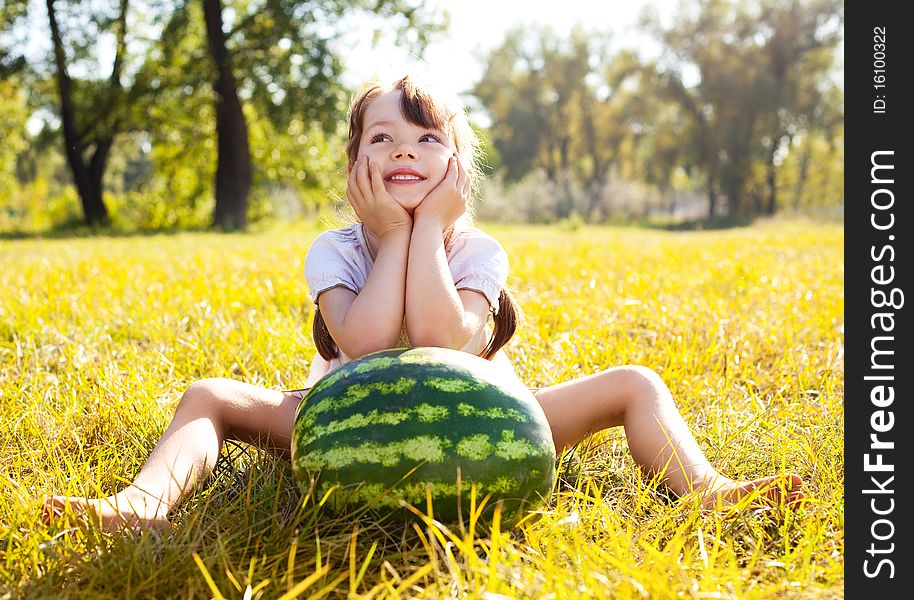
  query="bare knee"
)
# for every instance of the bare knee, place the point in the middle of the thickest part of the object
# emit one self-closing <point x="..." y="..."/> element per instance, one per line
<point x="205" y="396"/>
<point x="645" y="385"/>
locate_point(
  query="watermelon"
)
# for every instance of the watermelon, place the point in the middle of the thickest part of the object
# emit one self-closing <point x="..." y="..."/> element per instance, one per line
<point x="407" y="425"/>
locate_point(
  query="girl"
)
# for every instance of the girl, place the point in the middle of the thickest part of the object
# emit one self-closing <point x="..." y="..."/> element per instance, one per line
<point x="413" y="271"/>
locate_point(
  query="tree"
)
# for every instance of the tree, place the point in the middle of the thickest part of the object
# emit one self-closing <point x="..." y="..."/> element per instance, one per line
<point x="81" y="101"/>
<point x="270" y="59"/>
<point x="88" y="139"/>
<point x="284" y="56"/>
<point x="12" y="129"/>
<point x="553" y="109"/>
<point x="12" y="105"/>
<point x="233" y="172"/>
<point x="759" y="66"/>
<point x="799" y="41"/>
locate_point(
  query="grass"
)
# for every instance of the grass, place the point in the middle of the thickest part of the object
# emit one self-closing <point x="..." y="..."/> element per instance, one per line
<point x="100" y="336"/>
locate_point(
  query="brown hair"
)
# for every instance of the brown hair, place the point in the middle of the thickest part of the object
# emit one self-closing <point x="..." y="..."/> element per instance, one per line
<point x="420" y="107"/>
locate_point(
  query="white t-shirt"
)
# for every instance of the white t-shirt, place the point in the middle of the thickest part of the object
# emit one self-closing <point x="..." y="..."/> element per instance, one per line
<point x="340" y="257"/>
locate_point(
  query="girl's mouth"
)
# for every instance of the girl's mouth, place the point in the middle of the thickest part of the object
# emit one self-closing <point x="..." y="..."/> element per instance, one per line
<point x="403" y="176"/>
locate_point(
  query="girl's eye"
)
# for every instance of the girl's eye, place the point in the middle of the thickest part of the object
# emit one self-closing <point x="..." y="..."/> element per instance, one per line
<point x="378" y="137"/>
<point x="430" y="137"/>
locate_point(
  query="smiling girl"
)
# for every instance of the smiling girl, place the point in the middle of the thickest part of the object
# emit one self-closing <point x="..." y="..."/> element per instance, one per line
<point x="410" y="189"/>
<point x="413" y="271"/>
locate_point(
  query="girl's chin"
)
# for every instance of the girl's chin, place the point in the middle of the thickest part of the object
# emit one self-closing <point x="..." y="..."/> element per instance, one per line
<point x="408" y="204"/>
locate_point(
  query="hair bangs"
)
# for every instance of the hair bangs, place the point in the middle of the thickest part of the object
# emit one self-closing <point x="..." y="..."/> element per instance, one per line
<point x="419" y="107"/>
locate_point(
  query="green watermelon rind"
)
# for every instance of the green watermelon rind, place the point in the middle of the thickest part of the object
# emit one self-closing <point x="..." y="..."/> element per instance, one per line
<point x="485" y="411"/>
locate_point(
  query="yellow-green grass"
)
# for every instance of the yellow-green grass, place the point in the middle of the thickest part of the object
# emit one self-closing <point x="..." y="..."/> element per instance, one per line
<point x="100" y="336"/>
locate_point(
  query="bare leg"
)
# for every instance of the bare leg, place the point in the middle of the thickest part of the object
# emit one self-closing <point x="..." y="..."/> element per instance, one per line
<point x="209" y="412"/>
<point x="658" y="437"/>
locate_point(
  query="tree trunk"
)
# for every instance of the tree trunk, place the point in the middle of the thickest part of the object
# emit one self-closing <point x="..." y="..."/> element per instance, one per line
<point x="772" y="175"/>
<point x="87" y="178"/>
<point x="712" y="199"/>
<point x="771" y="207"/>
<point x="233" y="169"/>
<point x="801" y="176"/>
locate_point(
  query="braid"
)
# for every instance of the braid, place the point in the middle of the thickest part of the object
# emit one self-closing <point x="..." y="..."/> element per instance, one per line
<point x="326" y="347"/>
<point x="505" y="324"/>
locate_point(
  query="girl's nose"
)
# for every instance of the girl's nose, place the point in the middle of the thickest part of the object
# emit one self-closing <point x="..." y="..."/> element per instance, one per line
<point x="404" y="151"/>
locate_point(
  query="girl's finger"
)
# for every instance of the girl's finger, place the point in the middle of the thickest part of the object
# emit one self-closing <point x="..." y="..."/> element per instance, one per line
<point x="363" y="178"/>
<point x="462" y="176"/>
<point x="350" y="176"/>
<point x="377" y="182"/>
<point x="353" y="193"/>
<point x="465" y="189"/>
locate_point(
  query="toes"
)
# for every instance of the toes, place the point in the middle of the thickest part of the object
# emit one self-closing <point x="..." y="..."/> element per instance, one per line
<point x="782" y="489"/>
<point x="776" y="489"/>
<point x="54" y="507"/>
<point x="102" y="514"/>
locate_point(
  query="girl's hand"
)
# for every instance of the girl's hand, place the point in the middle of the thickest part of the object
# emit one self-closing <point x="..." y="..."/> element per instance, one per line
<point x="371" y="201"/>
<point x="448" y="200"/>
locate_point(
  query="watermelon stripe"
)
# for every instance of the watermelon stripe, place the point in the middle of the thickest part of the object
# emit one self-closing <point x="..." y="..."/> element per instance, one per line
<point x="423" y="448"/>
<point x="424" y="413"/>
<point x="378" y="450"/>
<point x="491" y="412"/>
<point x="444" y="494"/>
<point x="451" y="385"/>
<point x="529" y="469"/>
<point x="489" y="405"/>
<point x="475" y="447"/>
<point x="512" y="449"/>
<point x="316" y="428"/>
<point x="417" y="449"/>
<point x="515" y="481"/>
<point x="500" y="438"/>
<point x="357" y="392"/>
<point x="373" y="364"/>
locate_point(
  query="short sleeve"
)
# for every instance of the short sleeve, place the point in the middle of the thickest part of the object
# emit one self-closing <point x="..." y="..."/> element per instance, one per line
<point x="334" y="259"/>
<point x="478" y="262"/>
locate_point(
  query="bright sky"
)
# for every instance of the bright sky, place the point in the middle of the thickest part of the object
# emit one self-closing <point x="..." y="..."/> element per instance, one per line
<point x="455" y="62"/>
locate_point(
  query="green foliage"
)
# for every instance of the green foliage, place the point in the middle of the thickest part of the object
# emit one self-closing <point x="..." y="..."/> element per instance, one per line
<point x="763" y="78"/>
<point x="160" y="110"/>
<point x="13" y="116"/>
<point x="100" y="336"/>
<point x="735" y="85"/>
<point x="739" y="116"/>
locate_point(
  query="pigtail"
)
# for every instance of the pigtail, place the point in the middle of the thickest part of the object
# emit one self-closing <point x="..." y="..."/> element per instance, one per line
<point x="506" y="320"/>
<point x="326" y="347"/>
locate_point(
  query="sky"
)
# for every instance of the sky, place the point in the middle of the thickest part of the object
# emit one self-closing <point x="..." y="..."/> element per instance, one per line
<point x="455" y="61"/>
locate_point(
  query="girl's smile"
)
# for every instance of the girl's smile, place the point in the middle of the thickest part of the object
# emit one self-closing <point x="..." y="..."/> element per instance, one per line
<point x="403" y="176"/>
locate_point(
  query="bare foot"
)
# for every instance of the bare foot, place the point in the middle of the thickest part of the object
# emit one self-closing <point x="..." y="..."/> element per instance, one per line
<point x="777" y="490"/>
<point x="109" y="514"/>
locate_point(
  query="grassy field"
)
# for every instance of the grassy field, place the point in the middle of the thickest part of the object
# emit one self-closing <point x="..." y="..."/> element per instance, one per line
<point x="100" y="336"/>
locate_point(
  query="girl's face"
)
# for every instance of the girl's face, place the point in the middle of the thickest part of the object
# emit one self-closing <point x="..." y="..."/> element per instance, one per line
<point x="412" y="159"/>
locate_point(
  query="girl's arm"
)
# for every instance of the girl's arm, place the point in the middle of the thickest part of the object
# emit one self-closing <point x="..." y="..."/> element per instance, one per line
<point x="437" y="314"/>
<point x="372" y="319"/>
